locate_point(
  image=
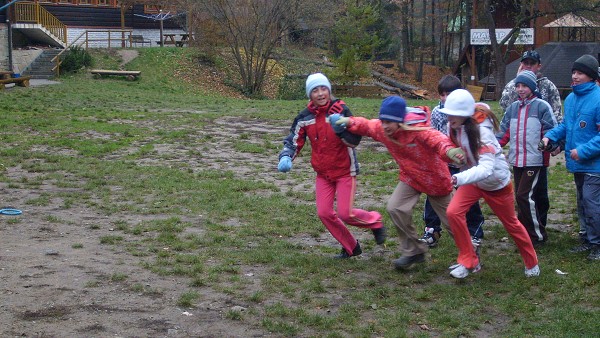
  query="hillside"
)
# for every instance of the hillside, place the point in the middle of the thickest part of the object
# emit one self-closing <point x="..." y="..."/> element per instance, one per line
<point x="218" y="73"/>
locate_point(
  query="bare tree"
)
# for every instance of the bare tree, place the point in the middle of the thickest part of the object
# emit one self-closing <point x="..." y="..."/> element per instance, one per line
<point x="251" y="29"/>
<point x="522" y="18"/>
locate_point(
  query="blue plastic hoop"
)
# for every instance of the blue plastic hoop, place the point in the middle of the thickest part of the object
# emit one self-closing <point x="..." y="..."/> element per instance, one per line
<point x="11" y="212"/>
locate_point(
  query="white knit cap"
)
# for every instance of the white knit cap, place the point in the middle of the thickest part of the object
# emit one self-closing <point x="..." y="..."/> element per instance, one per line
<point x="459" y="103"/>
<point x="316" y="80"/>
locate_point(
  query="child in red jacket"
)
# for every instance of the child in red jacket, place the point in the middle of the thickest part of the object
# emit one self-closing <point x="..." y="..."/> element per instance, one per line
<point x="334" y="160"/>
<point x="420" y="152"/>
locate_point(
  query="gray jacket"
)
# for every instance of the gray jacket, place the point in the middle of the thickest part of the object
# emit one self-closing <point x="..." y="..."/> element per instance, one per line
<point x="523" y="125"/>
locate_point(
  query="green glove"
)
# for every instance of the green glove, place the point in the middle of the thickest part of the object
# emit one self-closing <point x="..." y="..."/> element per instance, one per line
<point x="457" y="155"/>
<point x="338" y="122"/>
<point x="342" y="121"/>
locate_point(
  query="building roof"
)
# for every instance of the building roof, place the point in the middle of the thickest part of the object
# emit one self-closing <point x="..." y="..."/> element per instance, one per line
<point x="557" y="59"/>
<point x="571" y="20"/>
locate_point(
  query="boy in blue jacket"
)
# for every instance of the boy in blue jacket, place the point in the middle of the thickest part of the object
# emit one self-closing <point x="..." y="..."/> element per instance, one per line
<point x="581" y="130"/>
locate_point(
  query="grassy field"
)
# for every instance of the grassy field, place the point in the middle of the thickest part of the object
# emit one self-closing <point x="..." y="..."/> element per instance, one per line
<point x="190" y="179"/>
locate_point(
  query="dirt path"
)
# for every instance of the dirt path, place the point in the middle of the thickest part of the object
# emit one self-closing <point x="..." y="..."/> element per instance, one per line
<point x="127" y="55"/>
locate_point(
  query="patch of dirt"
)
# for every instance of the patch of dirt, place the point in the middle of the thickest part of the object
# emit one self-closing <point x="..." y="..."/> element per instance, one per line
<point x="127" y="55"/>
<point x="58" y="280"/>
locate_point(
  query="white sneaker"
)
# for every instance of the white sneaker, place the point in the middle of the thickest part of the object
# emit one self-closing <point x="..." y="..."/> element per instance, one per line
<point x="533" y="272"/>
<point x="461" y="271"/>
<point x="453" y="266"/>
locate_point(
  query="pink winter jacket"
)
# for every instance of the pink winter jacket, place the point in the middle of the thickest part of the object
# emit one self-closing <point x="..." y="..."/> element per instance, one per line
<point x="420" y="154"/>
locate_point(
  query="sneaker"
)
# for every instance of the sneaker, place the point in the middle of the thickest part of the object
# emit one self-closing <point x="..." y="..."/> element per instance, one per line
<point x="533" y="272"/>
<point x="595" y="254"/>
<point x="453" y="266"/>
<point x="380" y="235"/>
<point x="431" y="237"/>
<point x="405" y="262"/>
<point x="581" y="248"/>
<point x="538" y="244"/>
<point x="461" y="271"/>
<point x="357" y="251"/>
<point x="476" y="245"/>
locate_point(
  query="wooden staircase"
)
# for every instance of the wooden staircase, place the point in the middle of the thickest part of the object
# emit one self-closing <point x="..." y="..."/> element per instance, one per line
<point x="39" y="25"/>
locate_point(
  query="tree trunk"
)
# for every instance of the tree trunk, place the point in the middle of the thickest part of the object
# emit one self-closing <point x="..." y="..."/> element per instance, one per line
<point x="433" y="44"/>
<point x="419" y="77"/>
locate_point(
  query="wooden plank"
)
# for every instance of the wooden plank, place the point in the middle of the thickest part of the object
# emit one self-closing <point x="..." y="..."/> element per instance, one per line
<point x="129" y="74"/>
<point x="116" y="72"/>
<point x="476" y="91"/>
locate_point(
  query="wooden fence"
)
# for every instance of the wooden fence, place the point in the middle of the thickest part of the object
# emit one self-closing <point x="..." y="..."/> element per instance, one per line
<point x="364" y="91"/>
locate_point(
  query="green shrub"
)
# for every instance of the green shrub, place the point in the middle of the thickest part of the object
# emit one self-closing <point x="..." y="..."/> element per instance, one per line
<point x="291" y="89"/>
<point x="75" y="59"/>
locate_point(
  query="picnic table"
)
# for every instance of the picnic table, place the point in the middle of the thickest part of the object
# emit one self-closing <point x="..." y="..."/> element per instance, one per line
<point x="129" y="74"/>
<point x="185" y="39"/>
<point x="169" y="39"/>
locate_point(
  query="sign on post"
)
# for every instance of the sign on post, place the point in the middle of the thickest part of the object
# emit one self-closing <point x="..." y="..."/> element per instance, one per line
<point x="482" y="36"/>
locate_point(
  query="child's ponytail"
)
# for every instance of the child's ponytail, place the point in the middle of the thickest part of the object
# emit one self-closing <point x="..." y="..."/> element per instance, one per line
<point x="483" y="112"/>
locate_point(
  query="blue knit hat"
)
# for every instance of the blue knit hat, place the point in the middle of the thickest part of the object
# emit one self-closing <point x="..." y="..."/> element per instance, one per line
<point x="527" y="78"/>
<point x="315" y="80"/>
<point x="393" y="108"/>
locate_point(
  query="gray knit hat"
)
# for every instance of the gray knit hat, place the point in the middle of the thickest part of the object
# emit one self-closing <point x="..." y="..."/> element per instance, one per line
<point x="527" y="78"/>
<point x="588" y="65"/>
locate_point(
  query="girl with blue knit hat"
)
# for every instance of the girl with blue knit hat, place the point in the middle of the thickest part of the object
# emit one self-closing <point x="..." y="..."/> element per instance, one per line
<point x="333" y="158"/>
<point x="421" y="153"/>
<point x="524" y="124"/>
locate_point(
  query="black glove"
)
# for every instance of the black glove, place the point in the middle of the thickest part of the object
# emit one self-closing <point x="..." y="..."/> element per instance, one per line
<point x="550" y="147"/>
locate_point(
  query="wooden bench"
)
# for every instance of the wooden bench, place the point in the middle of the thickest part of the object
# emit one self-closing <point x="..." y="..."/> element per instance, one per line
<point x="129" y="74"/>
<point x="6" y="74"/>
<point x="167" y="42"/>
<point x="22" y="81"/>
<point x="135" y="39"/>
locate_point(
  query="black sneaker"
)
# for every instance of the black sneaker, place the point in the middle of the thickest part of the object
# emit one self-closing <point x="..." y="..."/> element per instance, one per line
<point x="405" y="262"/>
<point x="357" y="251"/>
<point x="380" y="235"/>
<point x="538" y="244"/>
<point x="430" y="237"/>
<point x="595" y="254"/>
<point x="581" y="248"/>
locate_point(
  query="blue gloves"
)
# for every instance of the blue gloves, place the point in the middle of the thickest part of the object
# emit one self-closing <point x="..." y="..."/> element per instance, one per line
<point x="285" y="164"/>
<point x="338" y="122"/>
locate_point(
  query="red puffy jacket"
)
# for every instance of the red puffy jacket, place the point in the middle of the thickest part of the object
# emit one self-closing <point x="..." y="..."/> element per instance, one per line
<point x="330" y="157"/>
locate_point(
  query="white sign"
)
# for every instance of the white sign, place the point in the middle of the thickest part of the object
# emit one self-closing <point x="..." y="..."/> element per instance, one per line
<point x="482" y="36"/>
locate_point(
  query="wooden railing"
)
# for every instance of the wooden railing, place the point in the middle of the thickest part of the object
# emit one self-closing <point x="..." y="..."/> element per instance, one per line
<point x="34" y="13"/>
<point x="123" y="39"/>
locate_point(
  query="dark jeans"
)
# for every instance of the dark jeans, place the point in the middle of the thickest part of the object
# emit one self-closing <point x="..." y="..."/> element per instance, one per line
<point x="474" y="216"/>
<point x="588" y="205"/>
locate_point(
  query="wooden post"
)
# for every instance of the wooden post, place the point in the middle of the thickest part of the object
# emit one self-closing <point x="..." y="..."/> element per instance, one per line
<point x="162" y="41"/>
<point x="122" y="25"/>
<point x="473" y="78"/>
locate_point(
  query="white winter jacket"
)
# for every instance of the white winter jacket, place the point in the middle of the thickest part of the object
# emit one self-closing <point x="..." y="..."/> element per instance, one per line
<point x="491" y="172"/>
